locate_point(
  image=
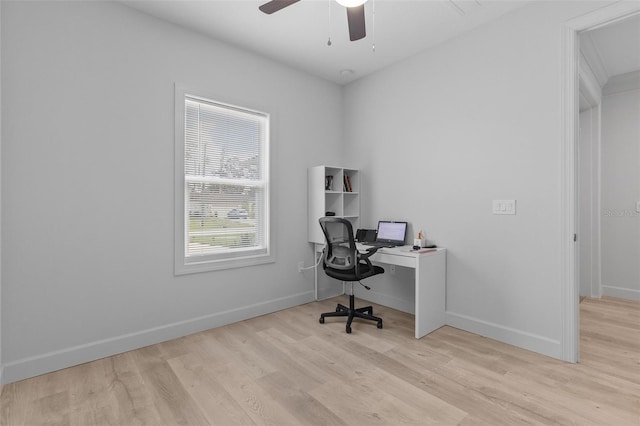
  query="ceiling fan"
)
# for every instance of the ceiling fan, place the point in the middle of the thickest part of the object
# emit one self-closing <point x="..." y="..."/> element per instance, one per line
<point x="355" y="14"/>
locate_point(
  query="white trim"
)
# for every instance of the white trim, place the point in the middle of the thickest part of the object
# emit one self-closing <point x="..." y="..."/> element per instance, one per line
<point x="623" y="83"/>
<point x="569" y="286"/>
<point x="620" y="292"/>
<point x="241" y="258"/>
<point x="52" y="361"/>
<point x="519" y="338"/>
<point x="592" y="58"/>
<point x="388" y="300"/>
<point x="596" y="188"/>
<point x="589" y="86"/>
<point x="591" y="229"/>
<point x="569" y="290"/>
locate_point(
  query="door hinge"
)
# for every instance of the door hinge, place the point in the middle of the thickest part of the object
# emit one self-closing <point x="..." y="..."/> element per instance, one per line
<point x="575" y="237"/>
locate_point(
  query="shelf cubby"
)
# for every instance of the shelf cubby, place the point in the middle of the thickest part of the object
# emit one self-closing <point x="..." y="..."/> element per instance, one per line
<point x="328" y="192"/>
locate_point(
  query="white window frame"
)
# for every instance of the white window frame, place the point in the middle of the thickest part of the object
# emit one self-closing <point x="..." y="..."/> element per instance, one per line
<point x="233" y="258"/>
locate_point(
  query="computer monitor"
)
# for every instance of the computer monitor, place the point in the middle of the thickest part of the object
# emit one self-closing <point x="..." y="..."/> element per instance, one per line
<point x="393" y="233"/>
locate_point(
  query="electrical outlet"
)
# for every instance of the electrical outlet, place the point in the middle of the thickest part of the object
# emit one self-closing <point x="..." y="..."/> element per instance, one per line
<point x="300" y="266"/>
<point x="504" y="206"/>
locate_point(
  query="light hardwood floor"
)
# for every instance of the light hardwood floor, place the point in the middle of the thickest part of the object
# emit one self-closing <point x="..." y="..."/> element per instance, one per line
<point x="287" y="369"/>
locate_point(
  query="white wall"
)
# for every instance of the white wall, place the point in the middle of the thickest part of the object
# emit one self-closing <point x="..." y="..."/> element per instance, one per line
<point x="589" y="199"/>
<point x="621" y="187"/>
<point x="87" y="181"/>
<point x="476" y="119"/>
<point x="589" y="179"/>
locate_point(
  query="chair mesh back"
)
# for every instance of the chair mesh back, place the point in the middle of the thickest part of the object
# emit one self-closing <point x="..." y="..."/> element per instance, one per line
<point x="340" y="252"/>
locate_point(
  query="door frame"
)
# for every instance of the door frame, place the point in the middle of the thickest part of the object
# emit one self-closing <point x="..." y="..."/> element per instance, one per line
<point x="569" y="158"/>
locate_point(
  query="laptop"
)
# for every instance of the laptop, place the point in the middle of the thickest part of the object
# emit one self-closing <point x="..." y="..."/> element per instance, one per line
<point x="389" y="234"/>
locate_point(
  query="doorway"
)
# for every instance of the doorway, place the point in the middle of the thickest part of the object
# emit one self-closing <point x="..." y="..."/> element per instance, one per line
<point x="570" y="177"/>
<point x="608" y="160"/>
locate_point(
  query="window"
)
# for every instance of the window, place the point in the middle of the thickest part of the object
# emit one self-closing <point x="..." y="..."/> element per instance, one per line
<point x="222" y="185"/>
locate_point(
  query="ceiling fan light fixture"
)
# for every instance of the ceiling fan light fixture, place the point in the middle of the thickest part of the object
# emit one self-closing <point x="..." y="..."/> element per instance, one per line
<point x="355" y="15"/>
<point x="351" y="3"/>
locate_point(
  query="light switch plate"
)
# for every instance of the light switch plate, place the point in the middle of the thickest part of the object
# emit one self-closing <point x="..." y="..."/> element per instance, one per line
<point x="504" y="206"/>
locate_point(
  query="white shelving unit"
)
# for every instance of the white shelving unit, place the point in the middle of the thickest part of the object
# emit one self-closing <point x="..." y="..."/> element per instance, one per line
<point x="327" y="192"/>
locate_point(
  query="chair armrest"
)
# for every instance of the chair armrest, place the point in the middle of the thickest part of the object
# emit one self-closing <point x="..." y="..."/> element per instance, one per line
<point x="364" y="257"/>
<point x="368" y="253"/>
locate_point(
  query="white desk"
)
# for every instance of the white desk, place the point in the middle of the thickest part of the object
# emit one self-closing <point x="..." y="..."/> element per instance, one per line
<point x="430" y="282"/>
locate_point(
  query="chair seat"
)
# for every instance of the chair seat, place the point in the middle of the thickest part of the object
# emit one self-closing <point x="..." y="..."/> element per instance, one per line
<point x="348" y="275"/>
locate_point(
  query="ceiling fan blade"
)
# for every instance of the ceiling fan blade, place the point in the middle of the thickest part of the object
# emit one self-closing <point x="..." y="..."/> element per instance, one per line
<point x="355" y="16"/>
<point x="276" y="5"/>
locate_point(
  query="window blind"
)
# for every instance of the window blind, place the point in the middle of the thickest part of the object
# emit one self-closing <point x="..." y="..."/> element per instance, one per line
<point x="226" y="180"/>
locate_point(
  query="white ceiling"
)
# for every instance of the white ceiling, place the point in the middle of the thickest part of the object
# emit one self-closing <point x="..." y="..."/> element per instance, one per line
<point x="297" y="35"/>
<point x="612" y="54"/>
<point x="613" y="49"/>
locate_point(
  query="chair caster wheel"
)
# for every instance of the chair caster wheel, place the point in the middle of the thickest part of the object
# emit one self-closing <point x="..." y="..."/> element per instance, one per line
<point x="380" y="324"/>
<point x="348" y="330"/>
<point x="321" y="320"/>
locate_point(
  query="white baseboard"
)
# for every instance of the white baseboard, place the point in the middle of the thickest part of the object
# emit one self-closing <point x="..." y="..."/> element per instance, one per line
<point x="52" y="361"/>
<point x="620" y="292"/>
<point x="529" y="341"/>
<point x="384" y="299"/>
<point x="535" y="343"/>
<point x="330" y="289"/>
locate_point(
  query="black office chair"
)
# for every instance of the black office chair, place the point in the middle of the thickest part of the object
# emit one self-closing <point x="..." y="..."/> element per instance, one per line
<point x="342" y="260"/>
